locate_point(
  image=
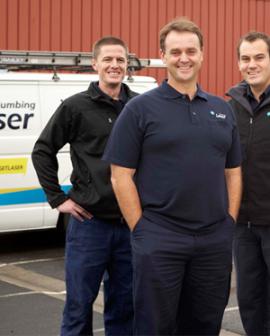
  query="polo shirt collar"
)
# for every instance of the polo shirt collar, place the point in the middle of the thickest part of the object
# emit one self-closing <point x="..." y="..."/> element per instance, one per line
<point x="265" y="94"/>
<point x="255" y="105"/>
<point x="169" y="92"/>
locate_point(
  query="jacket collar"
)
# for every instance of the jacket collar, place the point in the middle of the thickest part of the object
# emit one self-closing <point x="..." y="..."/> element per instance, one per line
<point x="96" y="94"/>
<point x="239" y="94"/>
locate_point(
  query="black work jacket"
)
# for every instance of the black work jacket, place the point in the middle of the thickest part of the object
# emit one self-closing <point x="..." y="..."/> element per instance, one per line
<point x="254" y="131"/>
<point x="83" y="120"/>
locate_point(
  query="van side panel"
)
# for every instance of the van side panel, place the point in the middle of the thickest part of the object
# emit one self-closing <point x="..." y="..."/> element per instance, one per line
<point x="21" y="197"/>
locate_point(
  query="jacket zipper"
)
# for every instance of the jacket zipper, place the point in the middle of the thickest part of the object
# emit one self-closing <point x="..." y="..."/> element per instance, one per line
<point x="248" y="159"/>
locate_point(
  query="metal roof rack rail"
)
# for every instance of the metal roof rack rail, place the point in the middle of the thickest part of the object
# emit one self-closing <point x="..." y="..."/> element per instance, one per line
<point x="17" y="60"/>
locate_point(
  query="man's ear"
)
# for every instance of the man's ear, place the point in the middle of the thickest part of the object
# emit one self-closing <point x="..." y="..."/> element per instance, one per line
<point x="94" y="65"/>
<point x="238" y="63"/>
<point x="162" y="56"/>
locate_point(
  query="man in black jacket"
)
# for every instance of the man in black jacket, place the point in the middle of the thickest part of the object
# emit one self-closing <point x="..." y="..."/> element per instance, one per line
<point x="251" y="103"/>
<point x="97" y="238"/>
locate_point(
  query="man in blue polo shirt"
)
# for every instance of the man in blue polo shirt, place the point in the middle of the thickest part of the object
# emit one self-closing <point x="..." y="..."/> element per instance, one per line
<point x="175" y="158"/>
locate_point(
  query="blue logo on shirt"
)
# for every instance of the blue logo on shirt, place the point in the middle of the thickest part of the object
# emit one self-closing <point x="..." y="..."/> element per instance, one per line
<point x="268" y="114"/>
<point x="218" y="115"/>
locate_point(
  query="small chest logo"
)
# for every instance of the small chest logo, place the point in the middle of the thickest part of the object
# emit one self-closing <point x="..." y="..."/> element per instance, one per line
<point x="268" y="114"/>
<point x="218" y="115"/>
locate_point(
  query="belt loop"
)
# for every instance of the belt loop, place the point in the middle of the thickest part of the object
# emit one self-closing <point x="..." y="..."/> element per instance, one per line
<point x="249" y="225"/>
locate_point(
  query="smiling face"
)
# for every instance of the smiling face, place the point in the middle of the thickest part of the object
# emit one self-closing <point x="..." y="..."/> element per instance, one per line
<point x="183" y="57"/>
<point x="254" y="64"/>
<point x="111" y="65"/>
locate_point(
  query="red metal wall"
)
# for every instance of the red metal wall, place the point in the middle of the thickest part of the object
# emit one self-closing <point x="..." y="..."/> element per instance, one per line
<point x="73" y="25"/>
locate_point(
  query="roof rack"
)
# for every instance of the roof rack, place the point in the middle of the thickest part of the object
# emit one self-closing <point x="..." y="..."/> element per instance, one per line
<point x="16" y="60"/>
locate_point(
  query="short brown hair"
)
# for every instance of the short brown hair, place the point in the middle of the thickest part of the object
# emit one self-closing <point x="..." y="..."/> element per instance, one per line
<point x="252" y="37"/>
<point x="108" y="40"/>
<point x="180" y="24"/>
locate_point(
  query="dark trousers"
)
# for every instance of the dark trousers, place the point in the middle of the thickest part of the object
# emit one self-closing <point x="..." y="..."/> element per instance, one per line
<point x="92" y="248"/>
<point x="252" y="262"/>
<point x="181" y="281"/>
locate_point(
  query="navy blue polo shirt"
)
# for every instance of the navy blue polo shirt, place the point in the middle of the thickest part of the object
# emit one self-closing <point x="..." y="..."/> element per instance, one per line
<point x="179" y="149"/>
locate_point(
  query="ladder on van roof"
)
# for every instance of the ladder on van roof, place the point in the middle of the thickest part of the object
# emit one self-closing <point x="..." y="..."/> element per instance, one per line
<point x="16" y="60"/>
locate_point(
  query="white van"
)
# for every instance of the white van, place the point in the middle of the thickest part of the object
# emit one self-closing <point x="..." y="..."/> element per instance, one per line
<point x="27" y="101"/>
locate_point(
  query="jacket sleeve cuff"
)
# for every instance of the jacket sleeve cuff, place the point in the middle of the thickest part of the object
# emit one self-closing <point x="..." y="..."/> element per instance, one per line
<point x="58" y="200"/>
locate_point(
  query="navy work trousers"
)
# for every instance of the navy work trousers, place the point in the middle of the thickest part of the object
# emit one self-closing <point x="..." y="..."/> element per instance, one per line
<point x="181" y="281"/>
<point x="252" y="262"/>
<point x="93" y="247"/>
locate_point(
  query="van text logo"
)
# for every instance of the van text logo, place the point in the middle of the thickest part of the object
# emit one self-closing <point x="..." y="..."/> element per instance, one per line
<point x="13" y="166"/>
<point x="11" y="117"/>
<point x="18" y="105"/>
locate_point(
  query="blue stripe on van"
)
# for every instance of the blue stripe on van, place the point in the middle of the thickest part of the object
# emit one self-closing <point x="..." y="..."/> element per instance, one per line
<point x="27" y="196"/>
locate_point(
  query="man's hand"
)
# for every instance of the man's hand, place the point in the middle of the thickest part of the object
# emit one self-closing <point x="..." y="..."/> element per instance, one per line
<point x="75" y="210"/>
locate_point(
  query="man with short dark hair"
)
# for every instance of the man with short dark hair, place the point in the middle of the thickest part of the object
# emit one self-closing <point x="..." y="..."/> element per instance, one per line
<point x="251" y="103"/>
<point x="98" y="240"/>
<point x="175" y="157"/>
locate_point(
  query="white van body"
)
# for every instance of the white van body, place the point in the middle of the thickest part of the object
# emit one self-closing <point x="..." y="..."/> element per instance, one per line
<point x="27" y="101"/>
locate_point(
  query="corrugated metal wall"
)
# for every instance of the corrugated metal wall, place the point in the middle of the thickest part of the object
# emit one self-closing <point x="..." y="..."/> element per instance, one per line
<point x="73" y="25"/>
